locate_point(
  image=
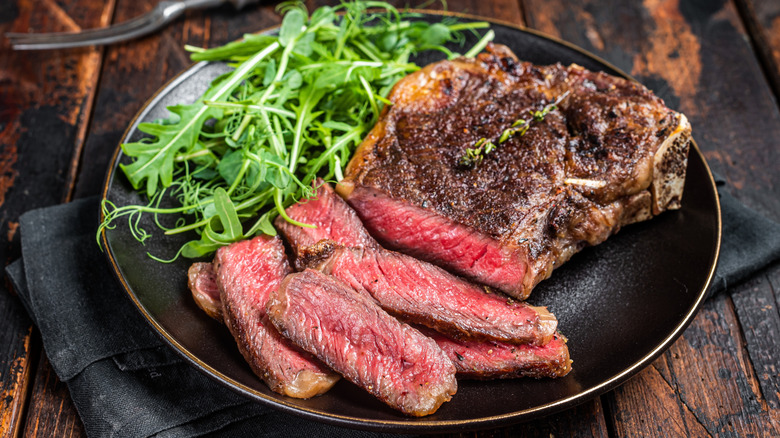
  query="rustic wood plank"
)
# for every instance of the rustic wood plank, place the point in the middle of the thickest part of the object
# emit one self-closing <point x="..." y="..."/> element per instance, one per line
<point x="15" y="362"/>
<point x="695" y="55"/>
<point x="756" y="303"/>
<point x="762" y="20"/>
<point x="47" y="98"/>
<point x="133" y="71"/>
<point x="704" y="385"/>
<point x="652" y="408"/>
<point x="119" y="98"/>
<point x="768" y="15"/>
<point x="51" y="412"/>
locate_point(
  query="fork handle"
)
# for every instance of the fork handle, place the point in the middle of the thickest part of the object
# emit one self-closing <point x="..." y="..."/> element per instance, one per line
<point x="241" y="3"/>
<point x="201" y="4"/>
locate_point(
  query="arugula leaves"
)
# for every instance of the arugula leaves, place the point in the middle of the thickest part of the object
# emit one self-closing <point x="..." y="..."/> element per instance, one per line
<point x="154" y="159"/>
<point x="295" y="107"/>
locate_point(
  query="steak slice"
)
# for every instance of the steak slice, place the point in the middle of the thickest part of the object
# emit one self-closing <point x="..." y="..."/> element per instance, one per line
<point x="421" y="293"/>
<point x="354" y="336"/>
<point x="202" y="282"/>
<point x="332" y="217"/>
<point x="501" y="360"/>
<point x="406" y="287"/>
<point x="611" y="154"/>
<point x="246" y="273"/>
<point x="486" y="360"/>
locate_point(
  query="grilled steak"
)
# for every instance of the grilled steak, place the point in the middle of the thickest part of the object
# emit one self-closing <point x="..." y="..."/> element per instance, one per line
<point x="480" y="360"/>
<point x="246" y="273"/>
<point x="500" y="360"/>
<point x="332" y="217"/>
<point x="354" y="336"/>
<point x="419" y="292"/>
<point x="610" y="154"/>
<point x="203" y="284"/>
<point x="410" y="289"/>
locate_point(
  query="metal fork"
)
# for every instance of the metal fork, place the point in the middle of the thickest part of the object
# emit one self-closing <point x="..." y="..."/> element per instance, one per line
<point x="162" y="14"/>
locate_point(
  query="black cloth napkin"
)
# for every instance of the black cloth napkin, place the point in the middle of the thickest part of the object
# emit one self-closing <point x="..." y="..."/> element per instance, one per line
<point x="749" y="241"/>
<point x="125" y="382"/>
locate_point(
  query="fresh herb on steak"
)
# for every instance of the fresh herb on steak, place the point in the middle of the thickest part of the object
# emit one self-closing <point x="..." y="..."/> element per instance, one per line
<point x="295" y="107"/>
<point x="474" y="156"/>
<point x="483" y="146"/>
<point x="612" y="155"/>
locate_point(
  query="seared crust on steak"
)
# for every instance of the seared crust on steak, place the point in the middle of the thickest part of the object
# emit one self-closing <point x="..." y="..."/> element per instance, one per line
<point x="413" y="290"/>
<point x="246" y="273"/>
<point x="202" y="282"/>
<point x="611" y="154"/>
<point x="329" y="215"/>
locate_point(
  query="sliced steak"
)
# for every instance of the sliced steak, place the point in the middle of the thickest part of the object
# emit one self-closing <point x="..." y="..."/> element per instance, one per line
<point x="501" y="360"/>
<point x="406" y="287"/>
<point x="246" y="273"/>
<point x="486" y="359"/>
<point x="419" y="292"/>
<point x="332" y="217"/>
<point x="611" y="154"/>
<point x="354" y="336"/>
<point x="202" y="282"/>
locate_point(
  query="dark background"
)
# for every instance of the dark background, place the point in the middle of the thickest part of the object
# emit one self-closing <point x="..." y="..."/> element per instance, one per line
<point x="62" y="114"/>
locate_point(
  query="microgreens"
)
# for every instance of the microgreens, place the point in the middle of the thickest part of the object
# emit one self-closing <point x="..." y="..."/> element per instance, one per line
<point x="293" y="109"/>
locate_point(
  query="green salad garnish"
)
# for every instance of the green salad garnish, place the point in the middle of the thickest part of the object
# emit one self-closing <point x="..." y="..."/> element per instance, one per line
<point x="294" y="108"/>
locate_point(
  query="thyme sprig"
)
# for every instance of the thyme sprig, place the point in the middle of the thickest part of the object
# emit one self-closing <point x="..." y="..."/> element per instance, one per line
<point x="474" y="156"/>
<point x="294" y="108"/>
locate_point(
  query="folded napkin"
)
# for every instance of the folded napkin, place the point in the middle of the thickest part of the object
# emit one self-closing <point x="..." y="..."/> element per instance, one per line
<point x="124" y="381"/>
<point x="127" y="383"/>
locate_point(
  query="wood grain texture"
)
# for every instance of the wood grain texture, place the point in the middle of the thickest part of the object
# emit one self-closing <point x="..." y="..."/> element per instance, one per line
<point x="768" y="15"/>
<point x="703" y="385"/>
<point x="720" y="378"/>
<point x="696" y="56"/>
<point x="15" y="362"/>
<point x="756" y="302"/>
<point x="45" y="102"/>
<point x="51" y="412"/>
<point x="47" y="98"/>
<point x="762" y="20"/>
<point x="649" y="406"/>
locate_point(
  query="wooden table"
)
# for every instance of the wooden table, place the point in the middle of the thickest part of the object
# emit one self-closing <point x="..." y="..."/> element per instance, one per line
<point x="62" y="114"/>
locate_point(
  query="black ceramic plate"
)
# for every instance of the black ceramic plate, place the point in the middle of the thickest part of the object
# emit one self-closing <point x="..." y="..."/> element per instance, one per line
<point x="621" y="304"/>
